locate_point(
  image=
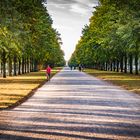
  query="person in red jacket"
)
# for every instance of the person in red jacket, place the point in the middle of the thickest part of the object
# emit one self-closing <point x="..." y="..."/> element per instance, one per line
<point x="48" y="72"/>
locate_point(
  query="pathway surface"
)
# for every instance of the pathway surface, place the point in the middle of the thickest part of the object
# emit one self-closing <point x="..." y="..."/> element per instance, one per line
<point x="74" y="106"/>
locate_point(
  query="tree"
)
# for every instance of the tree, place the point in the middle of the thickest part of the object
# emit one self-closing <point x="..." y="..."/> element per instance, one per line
<point x="27" y="38"/>
<point x="112" y="37"/>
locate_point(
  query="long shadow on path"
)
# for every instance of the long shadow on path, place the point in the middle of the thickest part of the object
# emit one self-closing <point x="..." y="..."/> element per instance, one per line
<point x="74" y="106"/>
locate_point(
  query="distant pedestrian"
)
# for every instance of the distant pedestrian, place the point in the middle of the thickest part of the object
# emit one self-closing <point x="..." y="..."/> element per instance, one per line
<point x="48" y="72"/>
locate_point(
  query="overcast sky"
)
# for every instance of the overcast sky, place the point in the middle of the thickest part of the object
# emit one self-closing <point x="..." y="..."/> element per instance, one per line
<point x="69" y="17"/>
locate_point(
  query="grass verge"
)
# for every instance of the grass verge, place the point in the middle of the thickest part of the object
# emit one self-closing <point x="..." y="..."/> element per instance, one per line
<point x="15" y="90"/>
<point x="127" y="81"/>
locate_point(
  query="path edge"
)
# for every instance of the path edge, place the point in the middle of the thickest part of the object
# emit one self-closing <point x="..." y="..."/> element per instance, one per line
<point x="28" y="96"/>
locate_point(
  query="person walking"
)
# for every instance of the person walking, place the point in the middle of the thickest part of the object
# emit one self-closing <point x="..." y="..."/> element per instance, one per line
<point x="48" y="72"/>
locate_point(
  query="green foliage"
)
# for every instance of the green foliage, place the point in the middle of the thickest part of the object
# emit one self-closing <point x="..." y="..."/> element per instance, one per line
<point x="26" y="31"/>
<point x="114" y="31"/>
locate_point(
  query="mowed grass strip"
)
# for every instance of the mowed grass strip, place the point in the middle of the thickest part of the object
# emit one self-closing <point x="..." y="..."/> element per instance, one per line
<point x="13" y="90"/>
<point x="128" y="81"/>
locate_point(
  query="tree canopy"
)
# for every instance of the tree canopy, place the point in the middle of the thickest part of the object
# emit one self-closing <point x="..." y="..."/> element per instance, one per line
<point x="112" y="39"/>
<point x="27" y="38"/>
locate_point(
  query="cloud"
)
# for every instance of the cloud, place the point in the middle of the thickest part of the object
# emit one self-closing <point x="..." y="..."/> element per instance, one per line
<point x="60" y="2"/>
<point x="71" y="1"/>
<point x="80" y="9"/>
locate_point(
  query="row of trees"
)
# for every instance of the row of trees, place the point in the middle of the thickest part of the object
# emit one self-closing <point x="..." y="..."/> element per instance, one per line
<point x="27" y="39"/>
<point x="112" y="40"/>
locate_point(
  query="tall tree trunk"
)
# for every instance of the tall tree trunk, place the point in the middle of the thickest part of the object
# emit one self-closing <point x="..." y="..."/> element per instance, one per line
<point x="28" y="65"/>
<point x="25" y="64"/>
<point x="1" y="68"/>
<point x="23" y="68"/>
<point x="125" y="63"/>
<point x="121" y="63"/>
<point x="15" y="65"/>
<point x="117" y="65"/>
<point x="114" y="65"/>
<point x="131" y="63"/>
<point x="136" y="63"/>
<point x="106" y="66"/>
<point x="19" y="66"/>
<point x="31" y="65"/>
<point x="4" y="63"/>
<point x="111" y="66"/>
<point x="10" y="66"/>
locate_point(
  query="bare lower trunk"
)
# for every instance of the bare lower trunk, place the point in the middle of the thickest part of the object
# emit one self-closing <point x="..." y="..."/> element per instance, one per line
<point x="125" y="63"/>
<point x="136" y="63"/>
<point x="19" y="67"/>
<point x="131" y="63"/>
<point x="15" y="65"/>
<point x="117" y="65"/>
<point x="121" y="63"/>
<point x="111" y="66"/>
<point x="10" y="66"/>
<point x="23" y="66"/>
<point x="4" y="63"/>
<point x="114" y="65"/>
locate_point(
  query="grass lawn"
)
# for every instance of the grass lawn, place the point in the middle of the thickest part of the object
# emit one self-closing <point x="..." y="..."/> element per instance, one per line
<point x="128" y="81"/>
<point x="14" y="90"/>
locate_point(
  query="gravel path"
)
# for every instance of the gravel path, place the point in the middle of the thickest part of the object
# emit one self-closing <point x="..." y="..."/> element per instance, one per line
<point x="74" y="106"/>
